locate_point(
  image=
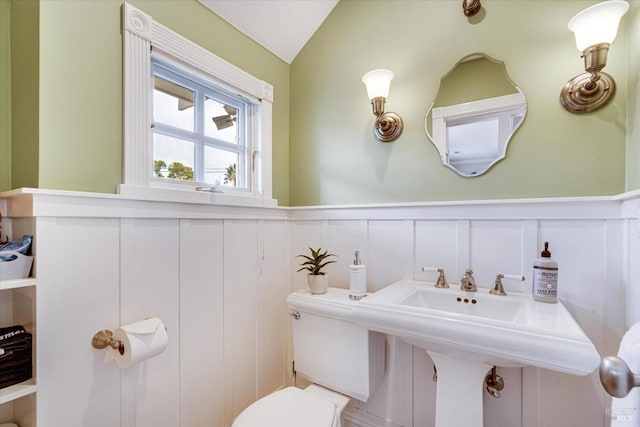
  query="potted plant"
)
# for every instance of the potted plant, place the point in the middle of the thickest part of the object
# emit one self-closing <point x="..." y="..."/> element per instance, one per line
<point x="316" y="278"/>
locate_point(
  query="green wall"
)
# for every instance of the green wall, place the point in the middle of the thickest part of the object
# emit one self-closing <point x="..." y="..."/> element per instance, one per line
<point x="335" y="158"/>
<point x="79" y="76"/>
<point x="62" y="128"/>
<point x="80" y="95"/>
<point x="633" y="104"/>
<point x="5" y="95"/>
<point x="24" y="93"/>
<point x="460" y="84"/>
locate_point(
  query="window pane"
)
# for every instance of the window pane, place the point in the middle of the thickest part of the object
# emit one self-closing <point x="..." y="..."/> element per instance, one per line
<point x="173" y="158"/>
<point x="172" y="104"/>
<point x="220" y="121"/>
<point x="220" y="165"/>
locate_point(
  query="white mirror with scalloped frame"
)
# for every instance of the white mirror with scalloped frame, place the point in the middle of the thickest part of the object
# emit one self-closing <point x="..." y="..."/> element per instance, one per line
<point x="477" y="110"/>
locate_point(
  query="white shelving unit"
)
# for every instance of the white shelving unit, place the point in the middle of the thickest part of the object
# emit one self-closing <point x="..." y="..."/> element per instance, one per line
<point x="18" y="306"/>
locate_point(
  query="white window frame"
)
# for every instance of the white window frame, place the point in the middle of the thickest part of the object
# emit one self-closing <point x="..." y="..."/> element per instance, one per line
<point x="203" y="89"/>
<point x="141" y="35"/>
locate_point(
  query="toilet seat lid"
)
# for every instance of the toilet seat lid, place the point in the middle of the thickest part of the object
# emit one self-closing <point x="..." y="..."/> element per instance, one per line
<point x="289" y="407"/>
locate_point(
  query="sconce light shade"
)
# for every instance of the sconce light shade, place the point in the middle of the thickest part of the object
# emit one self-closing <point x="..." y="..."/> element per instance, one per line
<point x="388" y="126"/>
<point x="594" y="28"/>
<point x="378" y="83"/>
<point x="598" y="24"/>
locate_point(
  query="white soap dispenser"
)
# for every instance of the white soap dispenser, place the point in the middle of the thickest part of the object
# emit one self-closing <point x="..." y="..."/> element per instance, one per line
<point x="357" y="279"/>
<point x="545" y="277"/>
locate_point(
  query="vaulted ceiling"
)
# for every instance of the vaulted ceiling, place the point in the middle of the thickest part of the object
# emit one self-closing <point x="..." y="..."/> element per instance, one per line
<point x="281" y="26"/>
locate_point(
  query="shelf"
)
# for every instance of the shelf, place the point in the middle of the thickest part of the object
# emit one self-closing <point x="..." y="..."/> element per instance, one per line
<point x="17" y="283"/>
<point x="17" y="391"/>
<point x="24" y="388"/>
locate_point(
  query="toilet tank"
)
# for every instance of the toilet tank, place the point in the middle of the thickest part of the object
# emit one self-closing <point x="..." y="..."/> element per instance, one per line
<point x="329" y="349"/>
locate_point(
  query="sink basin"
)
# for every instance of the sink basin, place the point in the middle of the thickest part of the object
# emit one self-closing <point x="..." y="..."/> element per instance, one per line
<point x="508" y="331"/>
<point x="467" y="333"/>
<point x="454" y="303"/>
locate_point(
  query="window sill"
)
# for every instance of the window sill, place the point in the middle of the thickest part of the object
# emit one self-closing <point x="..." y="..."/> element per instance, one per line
<point x="192" y="196"/>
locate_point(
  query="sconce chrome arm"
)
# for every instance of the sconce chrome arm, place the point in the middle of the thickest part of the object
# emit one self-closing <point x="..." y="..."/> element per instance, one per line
<point x="377" y="105"/>
<point x="593" y="89"/>
<point x="595" y="58"/>
<point x="388" y="126"/>
<point x="471" y="7"/>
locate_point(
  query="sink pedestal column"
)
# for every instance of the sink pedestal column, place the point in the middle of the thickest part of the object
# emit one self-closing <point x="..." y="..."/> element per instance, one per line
<point x="459" y="391"/>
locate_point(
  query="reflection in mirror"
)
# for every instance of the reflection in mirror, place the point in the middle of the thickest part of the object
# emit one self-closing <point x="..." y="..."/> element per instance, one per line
<point x="476" y="112"/>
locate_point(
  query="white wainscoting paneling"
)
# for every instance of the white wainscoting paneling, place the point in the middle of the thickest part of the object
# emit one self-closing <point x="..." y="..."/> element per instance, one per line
<point x="492" y="238"/>
<point x="218" y="278"/>
<point x="507" y="410"/>
<point x="614" y="287"/>
<point x="274" y="369"/>
<point x="436" y="245"/>
<point x="579" y="248"/>
<point x="386" y="253"/>
<point x="631" y="211"/>
<point x="77" y="295"/>
<point x="495" y="247"/>
<point x="346" y="237"/>
<point x="149" y="287"/>
<point x="240" y="315"/>
<point x="392" y="404"/>
<point x="201" y="322"/>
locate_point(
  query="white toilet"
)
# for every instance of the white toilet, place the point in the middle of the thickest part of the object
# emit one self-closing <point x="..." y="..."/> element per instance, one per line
<point x="340" y="358"/>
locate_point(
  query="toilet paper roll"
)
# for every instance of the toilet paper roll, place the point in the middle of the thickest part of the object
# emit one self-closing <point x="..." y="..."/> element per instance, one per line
<point x="140" y="341"/>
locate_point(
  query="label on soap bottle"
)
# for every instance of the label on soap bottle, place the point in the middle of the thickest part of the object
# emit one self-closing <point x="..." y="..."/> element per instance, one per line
<point x="545" y="283"/>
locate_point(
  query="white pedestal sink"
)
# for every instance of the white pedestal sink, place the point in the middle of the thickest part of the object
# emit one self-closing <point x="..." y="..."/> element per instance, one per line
<point x="467" y="333"/>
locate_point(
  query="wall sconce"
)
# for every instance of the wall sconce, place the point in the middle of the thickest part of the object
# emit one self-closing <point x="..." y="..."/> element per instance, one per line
<point x="595" y="28"/>
<point x="388" y="126"/>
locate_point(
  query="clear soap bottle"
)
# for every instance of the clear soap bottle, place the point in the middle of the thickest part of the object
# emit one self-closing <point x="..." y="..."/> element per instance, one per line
<point x="357" y="279"/>
<point x="545" y="277"/>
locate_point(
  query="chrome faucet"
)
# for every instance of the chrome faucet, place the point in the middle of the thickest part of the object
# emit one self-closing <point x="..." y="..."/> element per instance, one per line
<point x="468" y="282"/>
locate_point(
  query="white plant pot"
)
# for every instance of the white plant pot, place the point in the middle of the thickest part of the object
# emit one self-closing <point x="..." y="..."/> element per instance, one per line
<point x="318" y="283"/>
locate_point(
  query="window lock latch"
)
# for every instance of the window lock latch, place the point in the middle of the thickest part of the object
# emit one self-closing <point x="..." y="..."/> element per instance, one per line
<point x="211" y="189"/>
<point x="254" y="156"/>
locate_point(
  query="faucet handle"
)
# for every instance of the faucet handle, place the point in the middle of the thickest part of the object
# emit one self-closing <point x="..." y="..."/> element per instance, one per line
<point x="498" y="288"/>
<point x="441" y="281"/>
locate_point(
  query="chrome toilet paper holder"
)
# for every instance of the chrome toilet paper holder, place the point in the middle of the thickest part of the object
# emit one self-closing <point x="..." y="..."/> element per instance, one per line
<point x="104" y="338"/>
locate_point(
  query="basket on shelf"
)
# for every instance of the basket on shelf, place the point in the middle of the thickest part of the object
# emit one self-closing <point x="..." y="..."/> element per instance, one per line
<point x="17" y="268"/>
